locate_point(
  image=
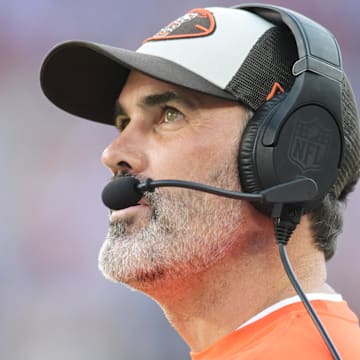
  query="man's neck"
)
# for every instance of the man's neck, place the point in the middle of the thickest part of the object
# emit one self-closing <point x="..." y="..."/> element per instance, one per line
<point x="209" y="305"/>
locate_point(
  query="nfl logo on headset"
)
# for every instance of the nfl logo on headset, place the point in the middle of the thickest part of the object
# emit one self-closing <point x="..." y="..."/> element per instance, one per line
<point x="309" y="144"/>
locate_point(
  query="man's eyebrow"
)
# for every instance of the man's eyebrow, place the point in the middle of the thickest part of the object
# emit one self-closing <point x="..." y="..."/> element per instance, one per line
<point x="164" y="97"/>
<point x="157" y="99"/>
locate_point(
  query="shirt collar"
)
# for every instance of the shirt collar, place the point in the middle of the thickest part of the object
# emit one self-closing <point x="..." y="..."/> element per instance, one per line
<point x="288" y="301"/>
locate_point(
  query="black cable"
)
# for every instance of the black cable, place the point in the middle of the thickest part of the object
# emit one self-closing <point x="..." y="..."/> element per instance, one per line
<point x="291" y="275"/>
<point x="284" y="228"/>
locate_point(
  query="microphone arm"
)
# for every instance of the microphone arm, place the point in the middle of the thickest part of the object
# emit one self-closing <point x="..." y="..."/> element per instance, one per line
<point x="150" y="185"/>
<point x="301" y="189"/>
<point x="127" y="191"/>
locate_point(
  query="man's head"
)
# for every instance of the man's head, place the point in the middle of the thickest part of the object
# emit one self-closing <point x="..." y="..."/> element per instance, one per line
<point x="167" y="131"/>
<point x="203" y="75"/>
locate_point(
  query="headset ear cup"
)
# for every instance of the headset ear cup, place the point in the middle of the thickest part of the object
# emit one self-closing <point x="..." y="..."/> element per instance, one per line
<point x="249" y="178"/>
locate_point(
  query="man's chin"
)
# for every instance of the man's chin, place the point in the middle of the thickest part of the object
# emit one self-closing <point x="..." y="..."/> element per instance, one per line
<point x="132" y="276"/>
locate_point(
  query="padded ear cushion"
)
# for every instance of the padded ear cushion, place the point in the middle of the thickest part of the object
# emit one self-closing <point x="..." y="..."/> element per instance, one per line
<point x="249" y="178"/>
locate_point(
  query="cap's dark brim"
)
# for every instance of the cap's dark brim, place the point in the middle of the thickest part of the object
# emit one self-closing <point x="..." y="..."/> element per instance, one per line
<point x="85" y="78"/>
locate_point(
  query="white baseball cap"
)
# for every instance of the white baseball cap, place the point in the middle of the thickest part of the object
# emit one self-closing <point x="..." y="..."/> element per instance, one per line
<point x="230" y="53"/>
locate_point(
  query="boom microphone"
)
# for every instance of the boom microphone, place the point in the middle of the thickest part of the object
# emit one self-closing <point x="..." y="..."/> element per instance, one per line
<point x="121" y="193"/>
<point x="127" y="191"/>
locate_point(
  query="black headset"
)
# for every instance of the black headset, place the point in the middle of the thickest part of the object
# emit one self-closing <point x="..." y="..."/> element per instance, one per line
<point x="299" y="133"/>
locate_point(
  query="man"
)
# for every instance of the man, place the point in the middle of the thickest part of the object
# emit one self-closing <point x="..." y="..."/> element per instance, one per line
<point x="183" y="105"/>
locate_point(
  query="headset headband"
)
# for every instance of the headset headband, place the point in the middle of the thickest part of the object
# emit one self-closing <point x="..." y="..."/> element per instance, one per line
<point x="318" y="49"/>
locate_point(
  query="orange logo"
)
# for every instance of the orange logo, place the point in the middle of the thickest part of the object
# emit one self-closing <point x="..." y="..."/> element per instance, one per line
<point x="276" y="89"/>
<point x="196" y="23"/>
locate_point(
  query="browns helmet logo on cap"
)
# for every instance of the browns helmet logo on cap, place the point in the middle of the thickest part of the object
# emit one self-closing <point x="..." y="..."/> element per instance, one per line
<point x="195" y="23"/>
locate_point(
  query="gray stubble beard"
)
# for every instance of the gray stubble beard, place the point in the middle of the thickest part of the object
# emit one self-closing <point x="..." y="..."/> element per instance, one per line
<point x="186" y="233"/>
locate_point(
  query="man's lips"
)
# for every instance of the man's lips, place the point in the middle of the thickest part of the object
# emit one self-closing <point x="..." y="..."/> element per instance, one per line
<point x="129" y="211"/>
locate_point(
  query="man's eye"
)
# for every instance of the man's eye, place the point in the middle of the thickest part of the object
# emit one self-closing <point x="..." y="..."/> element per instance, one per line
<point x="171" y="115"/>
<point x="121" y="123"/>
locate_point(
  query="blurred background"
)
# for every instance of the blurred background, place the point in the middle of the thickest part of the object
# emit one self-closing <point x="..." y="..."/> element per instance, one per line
<point x="54" y="304"/>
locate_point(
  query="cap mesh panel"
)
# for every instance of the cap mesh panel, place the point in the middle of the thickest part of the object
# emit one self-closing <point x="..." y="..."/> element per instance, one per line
<point x="269" y="61"/>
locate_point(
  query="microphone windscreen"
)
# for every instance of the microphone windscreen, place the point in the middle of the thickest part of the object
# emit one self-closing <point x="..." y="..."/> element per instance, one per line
<point x="121" y="193"/>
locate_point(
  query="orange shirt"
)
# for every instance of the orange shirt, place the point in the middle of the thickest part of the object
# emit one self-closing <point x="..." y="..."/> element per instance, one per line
<point x="289" y="333"/>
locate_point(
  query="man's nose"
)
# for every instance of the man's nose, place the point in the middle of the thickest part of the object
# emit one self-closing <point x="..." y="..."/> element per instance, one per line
<point x="126" y="153"/>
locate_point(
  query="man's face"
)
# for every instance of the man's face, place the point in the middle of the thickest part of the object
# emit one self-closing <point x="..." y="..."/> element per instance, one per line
<point x="168" y="132"/>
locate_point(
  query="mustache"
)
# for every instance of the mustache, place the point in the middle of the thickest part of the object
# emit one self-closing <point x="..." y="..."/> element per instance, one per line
<point x="124" y="174"/>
